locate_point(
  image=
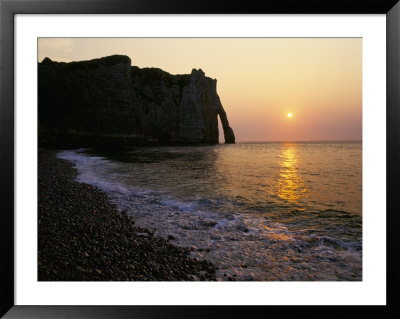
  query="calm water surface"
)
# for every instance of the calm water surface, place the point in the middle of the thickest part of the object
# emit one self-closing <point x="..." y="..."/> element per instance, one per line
<point x="259" y="211"/>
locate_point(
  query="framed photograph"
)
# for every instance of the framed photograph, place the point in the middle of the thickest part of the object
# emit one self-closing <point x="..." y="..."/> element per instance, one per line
<point x="173" y="159"/>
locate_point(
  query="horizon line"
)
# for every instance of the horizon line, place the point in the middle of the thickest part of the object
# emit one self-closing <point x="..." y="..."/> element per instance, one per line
<point x="295" y="141"/>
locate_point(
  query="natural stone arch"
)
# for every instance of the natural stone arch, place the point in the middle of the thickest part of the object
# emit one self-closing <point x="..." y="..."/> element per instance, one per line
<point x="229" y="136"/>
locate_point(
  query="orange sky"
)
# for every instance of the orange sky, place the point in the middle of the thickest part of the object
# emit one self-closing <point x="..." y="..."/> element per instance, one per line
<point x="260" y="80"/>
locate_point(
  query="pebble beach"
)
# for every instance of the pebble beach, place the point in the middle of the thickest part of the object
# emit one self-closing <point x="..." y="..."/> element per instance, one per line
<point x="84" y="237"/>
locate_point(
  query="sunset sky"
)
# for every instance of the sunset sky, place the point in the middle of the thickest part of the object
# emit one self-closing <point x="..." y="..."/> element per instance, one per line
<point x="260" y="80"/>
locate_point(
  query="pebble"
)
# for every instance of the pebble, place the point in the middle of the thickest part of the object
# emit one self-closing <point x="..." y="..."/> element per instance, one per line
<point x="83" y="237"/>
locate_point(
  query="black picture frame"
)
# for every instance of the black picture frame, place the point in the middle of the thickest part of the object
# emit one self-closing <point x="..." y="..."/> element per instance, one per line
<point x="9" y="8"/>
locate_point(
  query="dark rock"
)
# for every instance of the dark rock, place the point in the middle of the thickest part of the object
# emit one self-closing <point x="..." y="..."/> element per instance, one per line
<point x="106" y="102"/>
<point x="242" y="228"/>
<point x="209" y="223"/>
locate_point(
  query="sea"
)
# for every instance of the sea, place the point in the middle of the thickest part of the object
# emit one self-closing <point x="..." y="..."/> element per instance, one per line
<point x="260" y="211"/>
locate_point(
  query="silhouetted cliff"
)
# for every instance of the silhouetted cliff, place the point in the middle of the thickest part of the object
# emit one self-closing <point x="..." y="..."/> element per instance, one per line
<point x="105" y="101"/>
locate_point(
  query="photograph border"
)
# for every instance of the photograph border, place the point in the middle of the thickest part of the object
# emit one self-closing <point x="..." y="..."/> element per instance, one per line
<point x="7" y="138"/>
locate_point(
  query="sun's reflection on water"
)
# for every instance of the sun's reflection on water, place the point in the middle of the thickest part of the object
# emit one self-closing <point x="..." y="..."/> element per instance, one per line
<point x="290" y="186"/>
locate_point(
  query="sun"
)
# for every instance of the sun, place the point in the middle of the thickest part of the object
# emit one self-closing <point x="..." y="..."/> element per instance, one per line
<point x="289" y="115"/>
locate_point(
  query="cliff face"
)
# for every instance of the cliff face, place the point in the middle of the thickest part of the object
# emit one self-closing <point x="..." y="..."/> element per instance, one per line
<point x="107" y="100"/>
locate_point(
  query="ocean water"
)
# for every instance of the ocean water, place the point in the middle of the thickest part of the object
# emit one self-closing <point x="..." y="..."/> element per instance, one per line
<point x="259" y="211"/>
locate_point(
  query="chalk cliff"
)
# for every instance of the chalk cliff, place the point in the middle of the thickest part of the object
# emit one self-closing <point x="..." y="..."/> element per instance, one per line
<point x="108" y="101"/>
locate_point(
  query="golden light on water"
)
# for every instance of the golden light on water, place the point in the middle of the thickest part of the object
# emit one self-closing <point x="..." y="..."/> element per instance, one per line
<point x="290" y="186"/>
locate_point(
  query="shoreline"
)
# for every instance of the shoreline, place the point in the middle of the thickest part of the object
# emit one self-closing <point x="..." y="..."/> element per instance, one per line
<point x="84" y="237"/>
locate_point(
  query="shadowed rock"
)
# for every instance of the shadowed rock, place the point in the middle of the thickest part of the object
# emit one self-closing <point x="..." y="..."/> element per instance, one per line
<point x="106" y="101"/>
